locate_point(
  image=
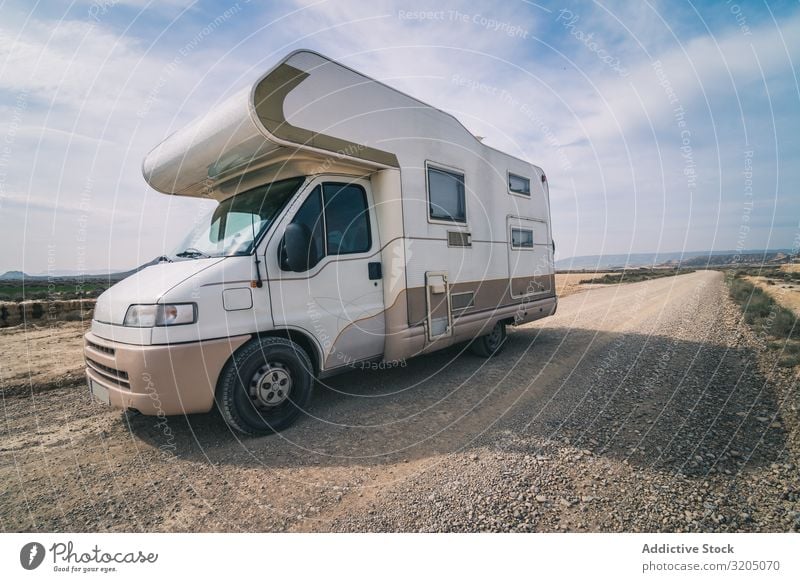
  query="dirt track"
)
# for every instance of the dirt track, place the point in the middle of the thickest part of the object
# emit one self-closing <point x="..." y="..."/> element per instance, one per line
<point x="638" y="407"/>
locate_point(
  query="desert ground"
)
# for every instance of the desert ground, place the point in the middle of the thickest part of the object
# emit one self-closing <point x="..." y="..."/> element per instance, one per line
<point x="569" y="283"/>
<point x="639" y="407"/>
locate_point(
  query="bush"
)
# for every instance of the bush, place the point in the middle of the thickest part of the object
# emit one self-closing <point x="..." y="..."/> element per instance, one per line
<point x="791" y="354"/>
<point x="761" y="311"/>
<point x="741" y="290"/>
<point x="785" y="324"/>
<point x="636" y="275"/>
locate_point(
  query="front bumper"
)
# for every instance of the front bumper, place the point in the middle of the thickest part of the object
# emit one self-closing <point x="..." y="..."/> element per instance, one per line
<point x="161" y="379"/>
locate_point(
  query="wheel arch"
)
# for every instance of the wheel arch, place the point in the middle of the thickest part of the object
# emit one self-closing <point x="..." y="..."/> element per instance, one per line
<point x="301" y="338"/>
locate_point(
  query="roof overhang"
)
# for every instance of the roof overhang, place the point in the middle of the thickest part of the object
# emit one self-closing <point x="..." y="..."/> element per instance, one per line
<point x="247" y="140"/>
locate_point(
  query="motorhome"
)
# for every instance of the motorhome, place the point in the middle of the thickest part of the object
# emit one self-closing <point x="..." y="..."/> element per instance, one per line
<point x="352" y="224"/>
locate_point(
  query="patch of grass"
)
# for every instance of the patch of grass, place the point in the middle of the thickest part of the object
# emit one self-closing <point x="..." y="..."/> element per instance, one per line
<point x="768" y="318"/>
<point x="636" y="275"/>
<point x="763" y="312"/>
<point x="791" y="355"/>
<point x="57" y="289"/>
<point x="775" y="273"/>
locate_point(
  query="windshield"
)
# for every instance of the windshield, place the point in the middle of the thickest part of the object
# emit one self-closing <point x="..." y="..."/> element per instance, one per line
<point x="238" y="222"/>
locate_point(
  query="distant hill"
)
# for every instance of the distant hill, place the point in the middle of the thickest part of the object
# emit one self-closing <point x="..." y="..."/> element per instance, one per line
<point x="761" y="258"/>
<point x="93" y="275"/>
<point x="20" y="276"/>
<point x="672" y="259"/>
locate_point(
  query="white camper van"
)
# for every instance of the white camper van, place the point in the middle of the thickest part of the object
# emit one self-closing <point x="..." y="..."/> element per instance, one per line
<point x="354" y="224"/>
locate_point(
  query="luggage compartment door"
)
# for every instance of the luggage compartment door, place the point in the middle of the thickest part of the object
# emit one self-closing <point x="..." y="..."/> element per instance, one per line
<point x="439" y="320"/>
<point x="529" y="257"/>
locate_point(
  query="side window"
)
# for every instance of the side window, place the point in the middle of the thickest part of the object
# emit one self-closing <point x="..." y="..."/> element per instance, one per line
<point x="346" y="219"/>
<point x="518" y="184"/>
<point x="521" y="238"/>
<point x="310" y="215"/>
<point x="446" y="195"/>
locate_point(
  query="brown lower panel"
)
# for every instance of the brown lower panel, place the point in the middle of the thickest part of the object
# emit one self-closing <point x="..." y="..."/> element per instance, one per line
<point x="161" y="379"/>
<point x="488" y="294"/>
<point x="412" y="341"/>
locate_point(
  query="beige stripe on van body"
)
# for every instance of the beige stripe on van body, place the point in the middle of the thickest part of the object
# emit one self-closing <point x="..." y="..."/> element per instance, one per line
<point x="403" y="341"/>
<point x="489" y="294"/>
<point x="269" y="96"/>
<point x="492" y="301"/>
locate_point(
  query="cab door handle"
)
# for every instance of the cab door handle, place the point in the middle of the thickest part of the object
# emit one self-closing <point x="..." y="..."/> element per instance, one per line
<point x="375" y="271"/>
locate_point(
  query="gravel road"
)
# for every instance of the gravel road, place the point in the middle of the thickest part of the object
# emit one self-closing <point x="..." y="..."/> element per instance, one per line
<point x="638" y="407"/>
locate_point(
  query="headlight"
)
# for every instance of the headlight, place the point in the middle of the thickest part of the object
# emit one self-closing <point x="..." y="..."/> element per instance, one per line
<point x="160" y="315"/>
<point x="176" y="314"/>
<point x="140" y="316"/>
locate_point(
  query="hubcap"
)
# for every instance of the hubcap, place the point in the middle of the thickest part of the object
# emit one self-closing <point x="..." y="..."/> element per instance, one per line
<point x="270" y="385"/>
<point x="496" y="336"/>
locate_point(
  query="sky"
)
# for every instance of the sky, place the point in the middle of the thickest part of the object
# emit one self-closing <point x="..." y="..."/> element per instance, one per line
<point x="669" y="126"/>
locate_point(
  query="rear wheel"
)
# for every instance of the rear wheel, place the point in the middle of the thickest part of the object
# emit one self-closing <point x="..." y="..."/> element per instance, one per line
<point x="488" y="345"/>
<point x="265" y="386"/>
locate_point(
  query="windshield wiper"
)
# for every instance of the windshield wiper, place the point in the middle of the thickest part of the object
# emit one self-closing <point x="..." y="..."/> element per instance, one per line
<point x="192" y="252"/>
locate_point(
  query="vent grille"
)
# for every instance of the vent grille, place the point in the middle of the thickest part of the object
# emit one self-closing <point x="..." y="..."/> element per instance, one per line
<point x="99" y="348"/>
<point x="462" y="300"/>
<point x="458" y="238"/>
<point x="118" y="377"/>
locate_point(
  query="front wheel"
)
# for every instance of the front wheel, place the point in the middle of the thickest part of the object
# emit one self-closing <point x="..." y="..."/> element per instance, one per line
<point x="265" y="386"/>
<point x="486" y="346"/>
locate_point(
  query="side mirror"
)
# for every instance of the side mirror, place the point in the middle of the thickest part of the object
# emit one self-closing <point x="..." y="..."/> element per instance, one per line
<point x="301" y="255"/>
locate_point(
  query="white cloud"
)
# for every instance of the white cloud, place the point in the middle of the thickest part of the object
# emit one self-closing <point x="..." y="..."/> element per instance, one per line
<point x="75" y="129"/>
<point x="97" y="100"/>
<point x="700" y="69"/>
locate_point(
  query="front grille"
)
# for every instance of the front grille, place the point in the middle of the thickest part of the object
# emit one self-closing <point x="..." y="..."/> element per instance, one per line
<point x="119" y="377"/>
<point x="99" y="348"/>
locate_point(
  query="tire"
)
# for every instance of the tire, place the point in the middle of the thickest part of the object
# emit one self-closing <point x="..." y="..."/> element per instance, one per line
<point x="265" y="386"/>
<point x="490" y="344"/>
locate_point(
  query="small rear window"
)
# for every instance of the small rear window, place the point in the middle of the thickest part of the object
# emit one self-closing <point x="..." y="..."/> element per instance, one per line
<point x="521" y="238"/>
<point x="519" y="184"/>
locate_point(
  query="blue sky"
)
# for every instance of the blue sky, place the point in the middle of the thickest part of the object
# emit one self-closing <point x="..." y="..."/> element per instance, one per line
<point x="662" y="126"/>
